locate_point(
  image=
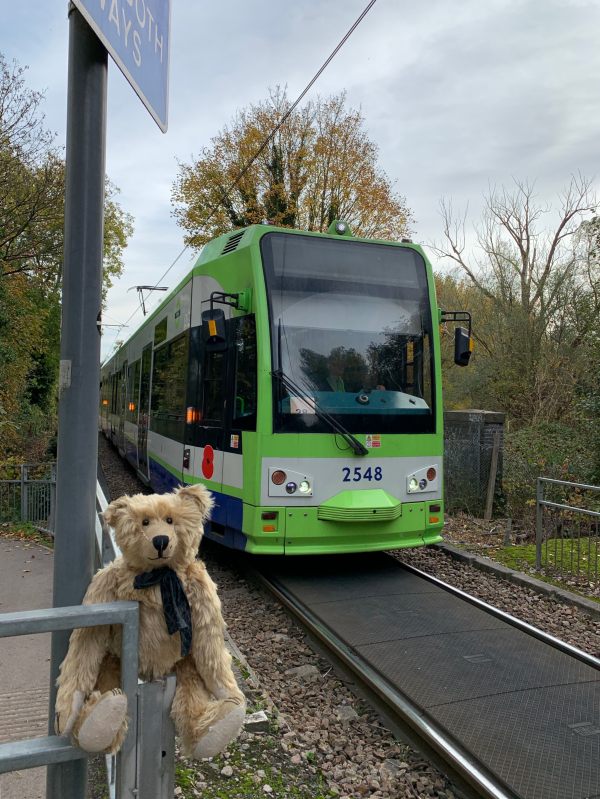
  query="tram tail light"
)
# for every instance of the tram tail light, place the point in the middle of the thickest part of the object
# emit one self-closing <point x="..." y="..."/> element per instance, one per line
<point x="435" y="514"/>
<point x="278" y="477"/>
<point x="269" y="516"/>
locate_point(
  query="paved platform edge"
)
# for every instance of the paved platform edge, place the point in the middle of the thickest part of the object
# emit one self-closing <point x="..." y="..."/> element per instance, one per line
<point x="524" y="580"/>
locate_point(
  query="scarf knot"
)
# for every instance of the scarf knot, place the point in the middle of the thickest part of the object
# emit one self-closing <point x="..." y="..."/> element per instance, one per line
<point x="175" y="603"/>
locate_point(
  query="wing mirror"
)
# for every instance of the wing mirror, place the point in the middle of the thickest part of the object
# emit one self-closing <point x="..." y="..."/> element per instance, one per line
<point x="463" y="346"/>
<point x="213" y="329"/>
<point x="463" y="340"/>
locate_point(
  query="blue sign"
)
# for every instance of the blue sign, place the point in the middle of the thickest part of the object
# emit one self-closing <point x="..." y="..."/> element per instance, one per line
<point x="136" y="34"/>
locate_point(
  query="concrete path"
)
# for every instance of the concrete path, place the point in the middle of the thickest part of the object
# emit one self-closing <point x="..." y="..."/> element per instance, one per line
<point x="25" y="584"/>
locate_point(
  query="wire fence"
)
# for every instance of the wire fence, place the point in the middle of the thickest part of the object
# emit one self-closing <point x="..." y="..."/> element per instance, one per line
<point x="473" y="461"/>
<point x="568" y="532"/>
<point x="29" y="496"/>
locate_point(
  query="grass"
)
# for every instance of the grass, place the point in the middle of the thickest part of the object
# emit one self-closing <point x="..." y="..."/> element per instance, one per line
<point x="26" y="532"/>
<point x="521" y="557"/>
<point x="263" y="756"/>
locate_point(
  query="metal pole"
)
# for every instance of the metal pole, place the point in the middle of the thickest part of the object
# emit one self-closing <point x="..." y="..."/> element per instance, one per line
<point x="539" y="496"/>
<point x="23" y="497"/>
<point x="79" y="352"/>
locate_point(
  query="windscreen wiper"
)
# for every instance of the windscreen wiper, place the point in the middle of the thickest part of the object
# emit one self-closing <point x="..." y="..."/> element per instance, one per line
<point x="336" y="426"/>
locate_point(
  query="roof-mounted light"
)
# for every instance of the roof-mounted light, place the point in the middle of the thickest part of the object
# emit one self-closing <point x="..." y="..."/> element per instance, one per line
<point x="339" y="228"/>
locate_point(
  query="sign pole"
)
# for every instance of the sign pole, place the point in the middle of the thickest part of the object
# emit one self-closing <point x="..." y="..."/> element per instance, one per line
<point x="79" y="352"/>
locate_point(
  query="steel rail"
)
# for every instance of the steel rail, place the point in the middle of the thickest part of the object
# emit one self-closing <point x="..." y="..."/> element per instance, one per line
<point x="460" y="762"/>
<point x="535" y="632"/>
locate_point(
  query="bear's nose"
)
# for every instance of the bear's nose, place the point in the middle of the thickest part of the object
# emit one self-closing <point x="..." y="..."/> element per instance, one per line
<point x="161" y="542"/>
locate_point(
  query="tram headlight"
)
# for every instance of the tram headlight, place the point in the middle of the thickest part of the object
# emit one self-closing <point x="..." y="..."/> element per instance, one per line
<point x="289" y="483"/>
<point x="426" y="480"/>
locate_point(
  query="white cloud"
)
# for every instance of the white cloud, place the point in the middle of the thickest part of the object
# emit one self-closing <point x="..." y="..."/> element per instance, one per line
<point x="457" y="95"/>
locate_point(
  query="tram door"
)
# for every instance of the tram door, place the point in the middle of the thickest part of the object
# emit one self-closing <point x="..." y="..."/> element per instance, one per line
<point x="122" y="400"/>
<point x="144" y="411"/>
<point x="213" y="410"/>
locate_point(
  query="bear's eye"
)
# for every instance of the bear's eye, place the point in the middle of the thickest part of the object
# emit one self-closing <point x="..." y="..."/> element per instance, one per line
<point x="146" y="522"/>
<point x="169" y="520"/>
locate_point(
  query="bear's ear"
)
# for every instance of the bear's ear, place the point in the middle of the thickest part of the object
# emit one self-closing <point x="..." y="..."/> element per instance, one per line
<point x="198" y="494"/>
<point x="115" y="510"/>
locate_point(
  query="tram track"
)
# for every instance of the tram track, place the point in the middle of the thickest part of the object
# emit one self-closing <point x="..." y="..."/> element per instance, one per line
<point x="426" y="721"/>
<point x="579" y="630"/>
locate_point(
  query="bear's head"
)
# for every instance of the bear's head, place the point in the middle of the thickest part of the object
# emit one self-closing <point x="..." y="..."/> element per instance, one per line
<point x="155" y="530"/>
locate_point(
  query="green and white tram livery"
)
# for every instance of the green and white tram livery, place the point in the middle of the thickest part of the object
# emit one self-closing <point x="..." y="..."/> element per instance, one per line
<point x="298" y="376"/>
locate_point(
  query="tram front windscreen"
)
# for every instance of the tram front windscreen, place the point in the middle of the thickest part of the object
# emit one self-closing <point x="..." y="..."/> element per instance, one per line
<point x="351" y="328"/>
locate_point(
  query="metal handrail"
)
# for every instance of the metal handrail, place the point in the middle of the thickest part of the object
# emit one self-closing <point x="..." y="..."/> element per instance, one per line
<point x="568" y="483"/>
<point x="54" y="748"/>
<point x="542" y="503"/>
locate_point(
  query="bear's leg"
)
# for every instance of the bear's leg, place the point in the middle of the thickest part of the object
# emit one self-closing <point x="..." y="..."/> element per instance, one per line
<point x="110" y="674"/>
<point x="102" y="723"/>
<point x="205" y="725"/>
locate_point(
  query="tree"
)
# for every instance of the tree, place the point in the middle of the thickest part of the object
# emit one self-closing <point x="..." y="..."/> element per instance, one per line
<point x="320" y="165"/>
<point x="536" y="280"/>
<point x="32" y="184"/>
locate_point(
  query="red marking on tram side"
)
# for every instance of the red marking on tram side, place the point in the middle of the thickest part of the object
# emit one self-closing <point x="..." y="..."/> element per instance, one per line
<point x="208" y="460"/>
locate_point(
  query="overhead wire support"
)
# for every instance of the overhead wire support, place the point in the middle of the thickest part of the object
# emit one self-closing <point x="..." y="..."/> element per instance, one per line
<point x="141" y="290"/>
<point x="283" y="119"/>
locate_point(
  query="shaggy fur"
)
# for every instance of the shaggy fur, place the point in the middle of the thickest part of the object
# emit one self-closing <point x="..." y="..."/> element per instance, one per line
<point x="208" y="709"/>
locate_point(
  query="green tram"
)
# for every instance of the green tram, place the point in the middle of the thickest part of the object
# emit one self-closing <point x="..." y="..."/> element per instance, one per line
<point x="297" y="375"/>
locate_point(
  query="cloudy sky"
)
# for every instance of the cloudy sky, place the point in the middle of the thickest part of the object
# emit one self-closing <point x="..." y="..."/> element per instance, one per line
<point x="459" y="96"/>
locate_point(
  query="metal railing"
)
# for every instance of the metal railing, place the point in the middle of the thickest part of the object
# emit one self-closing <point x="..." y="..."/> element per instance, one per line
<point x="54" y="749"/>
<point x="567" y="533"/>
<point x="30" y="496"/>
<point x="154" y="775"/>
<point x="144" y="766"/>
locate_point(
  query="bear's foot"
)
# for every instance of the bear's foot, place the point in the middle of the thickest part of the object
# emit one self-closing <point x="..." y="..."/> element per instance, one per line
<point x="226" y="726"/>
<point x="104" y="722"/>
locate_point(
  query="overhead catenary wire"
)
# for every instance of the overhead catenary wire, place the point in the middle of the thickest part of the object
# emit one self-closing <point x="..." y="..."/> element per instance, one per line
<point x="265" y="143"/>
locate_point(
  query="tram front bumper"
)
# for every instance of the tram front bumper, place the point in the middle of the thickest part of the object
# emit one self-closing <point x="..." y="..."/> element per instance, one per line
<point x="300" y="531"/>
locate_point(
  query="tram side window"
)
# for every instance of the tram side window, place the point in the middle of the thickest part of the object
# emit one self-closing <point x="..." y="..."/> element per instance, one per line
<point x="213" y="387"/>
<point x="244" y="413"/>
<point x="169" y="389"/>
<point x="133" y="391"/>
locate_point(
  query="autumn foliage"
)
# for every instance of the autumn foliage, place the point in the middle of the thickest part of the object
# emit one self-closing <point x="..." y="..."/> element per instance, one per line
<point x="320" y="165"/>
<point x="32" y="181"/>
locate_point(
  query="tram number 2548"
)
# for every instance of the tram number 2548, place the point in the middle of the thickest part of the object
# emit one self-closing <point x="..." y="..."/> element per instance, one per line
<point x="357" y="473"/>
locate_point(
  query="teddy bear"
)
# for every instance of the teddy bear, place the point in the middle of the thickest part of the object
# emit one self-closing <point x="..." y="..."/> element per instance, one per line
<point x="181" y="630"/>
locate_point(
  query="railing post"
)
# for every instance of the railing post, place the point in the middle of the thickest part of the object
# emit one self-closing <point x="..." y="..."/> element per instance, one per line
<point x="52" y="516"/>
<point x="23" y="494"/>
<point x="539" y="496"/>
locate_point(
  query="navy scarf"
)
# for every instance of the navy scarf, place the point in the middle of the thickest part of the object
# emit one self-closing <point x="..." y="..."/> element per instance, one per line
<point x="175" y="604"/>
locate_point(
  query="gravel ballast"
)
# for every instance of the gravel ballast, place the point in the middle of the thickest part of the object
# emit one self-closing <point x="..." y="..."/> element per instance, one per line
<point x="320" y="740"/>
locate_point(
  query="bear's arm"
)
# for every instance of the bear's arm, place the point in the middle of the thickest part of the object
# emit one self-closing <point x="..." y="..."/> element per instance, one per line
<point x="210" y="654"/>
<point x="88" y="645"/>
